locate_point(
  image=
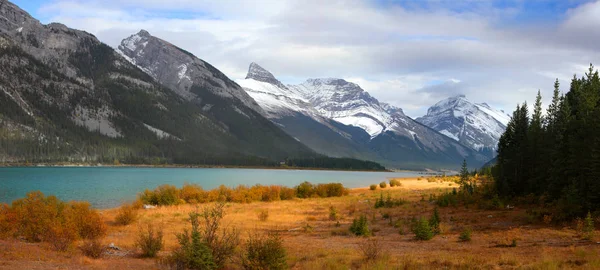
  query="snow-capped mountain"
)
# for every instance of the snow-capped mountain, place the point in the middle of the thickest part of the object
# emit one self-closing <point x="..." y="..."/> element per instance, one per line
<point x="476" y="125"/>
<point x="297" y="116"/>
<point x="346" y="103"/>
<point x="352" y="117"/>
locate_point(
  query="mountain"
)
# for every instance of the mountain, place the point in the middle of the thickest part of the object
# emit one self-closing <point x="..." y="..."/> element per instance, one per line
<point x="297" y="116"/>
<point x="354" y="120"/>
<point x="68" y="97"/>
<point x="476" y="125"/>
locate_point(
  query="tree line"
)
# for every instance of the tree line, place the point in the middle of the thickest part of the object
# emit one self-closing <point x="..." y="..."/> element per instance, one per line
<point x="555" y="156"/>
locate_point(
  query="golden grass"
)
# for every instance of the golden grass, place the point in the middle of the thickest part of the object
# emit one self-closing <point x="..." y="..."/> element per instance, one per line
<point x="313" y="241"/>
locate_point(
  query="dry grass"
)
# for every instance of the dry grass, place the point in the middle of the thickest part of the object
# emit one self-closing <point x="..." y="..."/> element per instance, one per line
<point x="539" y="246"/>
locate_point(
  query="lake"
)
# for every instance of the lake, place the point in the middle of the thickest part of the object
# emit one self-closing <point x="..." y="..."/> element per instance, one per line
<point x="106" y="187"/>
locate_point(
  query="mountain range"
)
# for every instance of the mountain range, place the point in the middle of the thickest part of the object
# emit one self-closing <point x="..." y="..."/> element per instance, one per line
<point x="338" y="118"/>
<point x="66" y="96"/>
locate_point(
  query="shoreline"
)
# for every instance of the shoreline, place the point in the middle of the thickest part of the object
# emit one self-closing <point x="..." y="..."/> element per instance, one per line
<point x="177" y="166"/>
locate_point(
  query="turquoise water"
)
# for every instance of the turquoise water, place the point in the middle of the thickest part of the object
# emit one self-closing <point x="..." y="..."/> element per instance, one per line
<point x="106" y="187"/>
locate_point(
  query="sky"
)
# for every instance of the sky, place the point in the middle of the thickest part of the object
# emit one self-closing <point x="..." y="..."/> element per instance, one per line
<point x="408" y="53"/>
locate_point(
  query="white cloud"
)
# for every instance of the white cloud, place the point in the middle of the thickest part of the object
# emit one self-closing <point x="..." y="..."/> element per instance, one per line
<point x="409" y="57"/>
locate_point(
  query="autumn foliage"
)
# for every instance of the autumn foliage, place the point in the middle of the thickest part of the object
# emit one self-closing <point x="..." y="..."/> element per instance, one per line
<point x="38" y="218"/>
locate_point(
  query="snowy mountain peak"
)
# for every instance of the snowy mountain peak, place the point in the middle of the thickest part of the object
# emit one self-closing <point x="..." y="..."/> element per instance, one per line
<point x="476" y="125"/>
<point x="260" y="74"/>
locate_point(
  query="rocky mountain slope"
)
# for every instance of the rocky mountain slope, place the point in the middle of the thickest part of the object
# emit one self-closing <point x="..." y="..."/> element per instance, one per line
<point x="67" y="96"/>
<point x="375" y="130"/>
<point x="476" y="125"/>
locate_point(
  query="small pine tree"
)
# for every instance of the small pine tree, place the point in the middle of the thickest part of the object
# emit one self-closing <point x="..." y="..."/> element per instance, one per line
<point x="422" y="230"/>
<point x="434" y="222"/>
<point x="193" y="252"/>
<point x="379" y="202"/>
<point x="360" y="226"/>
<point x="464" y="178"/>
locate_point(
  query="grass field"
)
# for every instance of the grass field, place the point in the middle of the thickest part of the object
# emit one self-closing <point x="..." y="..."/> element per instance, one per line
<point x="501" y="239"/>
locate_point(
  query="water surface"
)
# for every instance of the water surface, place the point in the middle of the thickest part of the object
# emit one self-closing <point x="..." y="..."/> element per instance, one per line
<point x="106" y="187"/>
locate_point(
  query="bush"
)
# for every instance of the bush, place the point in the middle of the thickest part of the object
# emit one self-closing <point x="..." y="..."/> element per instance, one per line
<point x="206" y="246"/>
<point x="222" y="242"/>
<point x="287" y="193"/>
<point x="193" y="251"/>
<point x="264" y="252"/>
<point x="588" y="227"/>
<point x="304" y="190"/>
<point x="150" y="241"/>
<point x="61" y="236"/>
<point x="92" y="248"/>
<point x="40" y="218"/>
<point x="193" y="193"/>
<point x="360" y="226"/>
<point x="422" y="230"/>
<point x="373" y="187"/>
<point x="383" y="185"/>
<point x="465" y="235"/>
<point x="7" y="221"/>
<point x="127" y="214"/>
<point x="371" y="249"/>
<point x="263" y="215"/>
<point x="333" y="213"/>
<point x="395" y="183"/>
<point x="87" y="221"/>
<point x="162" y="195"/>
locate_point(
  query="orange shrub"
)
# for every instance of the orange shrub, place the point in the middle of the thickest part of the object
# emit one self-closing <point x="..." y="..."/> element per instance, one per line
<point x="287" y="193"/>
<point x="7" y="221"/>
<point x="40" y="218"/>
<point x="35" y="213"/>
<point x="193" y="193"/>
<point x="127" y="214"/>
<point x="87" y="221"/>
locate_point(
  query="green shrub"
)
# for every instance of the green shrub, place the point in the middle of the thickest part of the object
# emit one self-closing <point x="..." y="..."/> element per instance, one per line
<point x="388" y="202"/>
<point x="373" y="187"/>
<point x="422" y="230"/>
<point x="221" y="241"/>
<point x="193" y="251"/>
<point x="305" y="190"/>
<point x="162" y="195"/>
<point x="127" y="214"/>
<point x="360" y="226"/>
<point x="383" y="185"/>
<point x="395" y="183"/>
<point x="264" y="252"/>
<point x="333" y="213"/>
<point x="465" y="235"/>
<point x="150" y="241"/>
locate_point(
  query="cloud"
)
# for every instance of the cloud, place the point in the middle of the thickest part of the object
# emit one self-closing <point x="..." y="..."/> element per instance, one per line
<point x="407" y="53"/>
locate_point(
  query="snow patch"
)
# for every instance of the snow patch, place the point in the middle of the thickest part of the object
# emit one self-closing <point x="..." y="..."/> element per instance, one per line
<point x="131" y="42"/>
<point x="160" y="133"/>
<point x="20" y="29"/>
